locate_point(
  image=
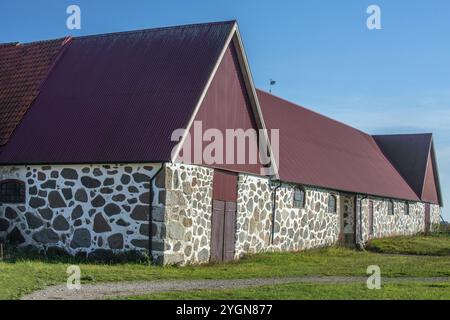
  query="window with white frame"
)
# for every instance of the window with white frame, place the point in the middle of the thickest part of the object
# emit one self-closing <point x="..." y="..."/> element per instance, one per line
<point x="391" y="207"/>
<point x="299" y="198"/>
<point x="332" y="204"/>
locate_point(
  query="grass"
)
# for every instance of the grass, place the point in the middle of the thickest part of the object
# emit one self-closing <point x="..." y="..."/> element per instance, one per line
<point x="22" y="276"/>
<point x="435" y="245"/>
<point x="404" y="291"/>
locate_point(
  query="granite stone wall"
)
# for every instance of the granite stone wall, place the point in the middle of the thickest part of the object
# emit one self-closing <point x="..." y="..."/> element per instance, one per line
<point x="294" y="229"/>
<point x="398" y="223"/>
<point x="82" y="209"/>
<point x="435" y="215"/>
<point x="92" y="209"/>
<point x="186" y="215"/>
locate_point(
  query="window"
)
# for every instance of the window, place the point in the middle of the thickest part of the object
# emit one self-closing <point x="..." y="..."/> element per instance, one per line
<point x="407" y="208"/>
<point x="12" y="191"/>
<point x="391" y="207"/>
<point x="299" y="198"/>
<point x="332" y="200"/>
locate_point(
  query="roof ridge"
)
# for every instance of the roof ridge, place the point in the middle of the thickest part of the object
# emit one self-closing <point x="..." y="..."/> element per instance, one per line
<point x="317" y="113"/>
<point x="191" y="25"/>
<point x="33" y="42"/>
<point x="404" y="134"/>
<point x="8" y="44"/>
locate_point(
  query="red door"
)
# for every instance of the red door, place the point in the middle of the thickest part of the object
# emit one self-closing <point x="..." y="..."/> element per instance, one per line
<point x="223" y="221"/>
<point x="427" y="219"/>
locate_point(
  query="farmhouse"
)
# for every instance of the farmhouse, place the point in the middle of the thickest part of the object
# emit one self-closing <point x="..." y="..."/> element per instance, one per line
<point x="88" y="163"/>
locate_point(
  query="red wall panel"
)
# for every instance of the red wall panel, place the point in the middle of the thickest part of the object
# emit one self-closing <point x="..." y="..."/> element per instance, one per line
<point x="225" y="186"/>
<point x="227" y="106"/>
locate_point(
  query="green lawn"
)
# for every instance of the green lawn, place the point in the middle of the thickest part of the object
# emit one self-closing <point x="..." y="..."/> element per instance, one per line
<point x="24" y="276"/>
<point x="404" y="291"/>
<point x="435" y="245"/>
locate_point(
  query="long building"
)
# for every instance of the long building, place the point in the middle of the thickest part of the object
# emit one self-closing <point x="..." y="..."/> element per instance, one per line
<point x="88" y="163"/>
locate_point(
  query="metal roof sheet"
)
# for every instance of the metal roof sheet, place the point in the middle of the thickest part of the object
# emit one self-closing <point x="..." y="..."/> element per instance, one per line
<point x="118" y="97"/>
<point x="411" y="156"/>
<point x="22" y="69"/>
<point x="318" y="151"/>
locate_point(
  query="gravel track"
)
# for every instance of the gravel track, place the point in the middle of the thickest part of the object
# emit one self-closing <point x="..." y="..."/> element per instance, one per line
<point x="105" y="290"/>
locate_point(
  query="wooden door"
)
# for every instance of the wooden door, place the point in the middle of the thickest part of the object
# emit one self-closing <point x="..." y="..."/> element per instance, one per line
<point x="217" y="224"/>
<point x="223" y="221"/>
<point x="229" y="231"/>
<point x="371" y="218"/>
<point x="427" y="219"/>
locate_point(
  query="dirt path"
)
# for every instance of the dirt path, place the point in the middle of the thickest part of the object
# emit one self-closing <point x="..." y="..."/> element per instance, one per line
<point x="101" y="291"/>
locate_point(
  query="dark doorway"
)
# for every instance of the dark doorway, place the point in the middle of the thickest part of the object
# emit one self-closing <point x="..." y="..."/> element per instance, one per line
<point x="371" y="218"/>
<point x="427" y="219"/>
<point x="348" y="216"/>
<point x="223" y="221"/>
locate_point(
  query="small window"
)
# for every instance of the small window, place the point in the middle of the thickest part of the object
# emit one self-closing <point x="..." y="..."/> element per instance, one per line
<point x="12" y="191"/>
<point x="391" y="207"/>
<point x="299" y="198"/>
<point x="332" y="200"/>
<point x="407" y="208"/>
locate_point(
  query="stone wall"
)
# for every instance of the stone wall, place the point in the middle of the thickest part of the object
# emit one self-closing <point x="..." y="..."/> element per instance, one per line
<point x="186" y="216"/>
<point x="89" y="209"/>
<point x="399" y="223"/>
<point x="295" y="229"/>
<point x="83" y="209"/>
<point x="435" y="215"/>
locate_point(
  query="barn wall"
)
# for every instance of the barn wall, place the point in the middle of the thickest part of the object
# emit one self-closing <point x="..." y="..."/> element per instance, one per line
<point x="388" y="225"/>
<point x="295" y="229"/>
<point x="435" y="212"/>
<point x="81" y="208"/>
<point x="90" y="209"/>
<point x="226" y="106"/>
<point x="186" y="218"/>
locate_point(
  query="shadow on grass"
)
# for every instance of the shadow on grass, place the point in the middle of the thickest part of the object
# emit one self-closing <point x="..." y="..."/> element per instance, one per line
<point x="13" y="254"/>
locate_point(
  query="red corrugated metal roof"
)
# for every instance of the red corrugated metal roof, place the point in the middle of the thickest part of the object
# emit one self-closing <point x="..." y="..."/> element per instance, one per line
<point x="318" y="151"/>
<point x="118" y="97"/>
<point x="411" y="155"/>
<point x="22" y="69"/>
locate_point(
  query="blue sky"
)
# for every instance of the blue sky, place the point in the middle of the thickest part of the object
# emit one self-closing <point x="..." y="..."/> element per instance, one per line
<point x="394" y="80"/>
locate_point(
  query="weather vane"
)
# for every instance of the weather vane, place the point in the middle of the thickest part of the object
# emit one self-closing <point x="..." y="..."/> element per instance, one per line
<point x="271" y="83"/>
